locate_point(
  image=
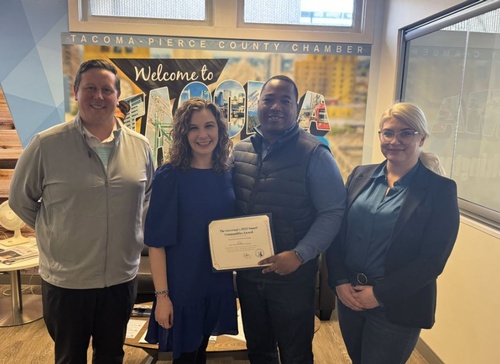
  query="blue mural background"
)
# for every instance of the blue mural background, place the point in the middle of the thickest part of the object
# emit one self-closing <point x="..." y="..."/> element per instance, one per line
<point x="31" y="74"/>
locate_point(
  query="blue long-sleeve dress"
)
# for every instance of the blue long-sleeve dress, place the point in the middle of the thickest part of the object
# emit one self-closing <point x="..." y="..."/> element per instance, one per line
<point x="182" y="205"/>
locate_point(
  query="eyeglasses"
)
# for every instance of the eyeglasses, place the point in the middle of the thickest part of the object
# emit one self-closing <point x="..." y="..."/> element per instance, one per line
<point x="404" y="136"/>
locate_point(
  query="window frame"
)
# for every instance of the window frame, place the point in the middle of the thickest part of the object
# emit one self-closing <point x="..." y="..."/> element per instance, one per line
<point x="455" y="14"/>
<point x="224" y="19"/>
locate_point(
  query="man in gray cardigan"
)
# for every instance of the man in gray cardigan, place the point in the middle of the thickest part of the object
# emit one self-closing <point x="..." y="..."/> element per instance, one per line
<point x="84" y="186"/>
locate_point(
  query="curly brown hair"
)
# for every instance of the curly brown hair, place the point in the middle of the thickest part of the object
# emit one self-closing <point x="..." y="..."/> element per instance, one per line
<point x="180" y="153"/>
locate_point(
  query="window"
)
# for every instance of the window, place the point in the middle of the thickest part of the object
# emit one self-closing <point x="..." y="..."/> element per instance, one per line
<point x="156" y="9"/>
<point x="451" y="68"/>
<point x="324" y="13"/>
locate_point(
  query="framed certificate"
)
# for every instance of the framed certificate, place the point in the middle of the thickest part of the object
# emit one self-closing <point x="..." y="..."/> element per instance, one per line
<point x="240" y="243"/>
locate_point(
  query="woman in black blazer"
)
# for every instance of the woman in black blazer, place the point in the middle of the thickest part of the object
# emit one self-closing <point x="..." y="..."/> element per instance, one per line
<point x="399" y="229"/>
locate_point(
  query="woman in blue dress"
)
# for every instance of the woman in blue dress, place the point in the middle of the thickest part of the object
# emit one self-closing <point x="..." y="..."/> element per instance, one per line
<point x="193" y="188"/>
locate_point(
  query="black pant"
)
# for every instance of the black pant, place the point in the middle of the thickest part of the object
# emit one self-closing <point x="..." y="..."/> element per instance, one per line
<point x="73" y="316"/>
<point x="278" y="315"/>
<point x="195" y="357"/>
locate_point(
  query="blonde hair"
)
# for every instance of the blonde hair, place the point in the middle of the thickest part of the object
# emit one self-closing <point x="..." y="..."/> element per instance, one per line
<point x="414" y="117"/>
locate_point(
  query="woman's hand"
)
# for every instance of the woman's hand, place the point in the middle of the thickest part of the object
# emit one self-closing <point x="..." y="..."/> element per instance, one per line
<point x="365" y="296"/>
<point x="164" y="312"/>
<point x="345" y="293"/>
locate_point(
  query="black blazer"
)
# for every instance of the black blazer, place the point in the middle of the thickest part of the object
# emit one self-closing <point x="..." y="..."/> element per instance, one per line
<point x="422" y="240"/>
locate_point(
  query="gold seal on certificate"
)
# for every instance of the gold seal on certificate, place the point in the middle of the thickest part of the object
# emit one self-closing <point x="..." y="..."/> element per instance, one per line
<point x="240" y="243"/>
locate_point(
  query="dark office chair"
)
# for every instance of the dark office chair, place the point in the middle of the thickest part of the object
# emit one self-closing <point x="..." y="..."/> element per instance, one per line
<point x="325" y="296"/>
<point x="145" y="286"/>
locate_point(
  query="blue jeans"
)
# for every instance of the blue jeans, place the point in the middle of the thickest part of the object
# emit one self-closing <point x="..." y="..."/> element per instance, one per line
<point x="371" y="338"/>
<point x="280" y="315"/>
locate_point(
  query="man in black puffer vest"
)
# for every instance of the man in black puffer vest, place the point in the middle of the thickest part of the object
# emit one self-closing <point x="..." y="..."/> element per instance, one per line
<point x="287" y="172"/>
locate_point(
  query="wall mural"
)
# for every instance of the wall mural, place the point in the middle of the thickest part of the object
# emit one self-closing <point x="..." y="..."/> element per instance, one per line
<point x="160" y="73"/>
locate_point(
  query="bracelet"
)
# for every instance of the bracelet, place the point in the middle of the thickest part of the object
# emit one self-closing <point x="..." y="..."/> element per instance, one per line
<point x="298" y="256"/>
<point x="163" y="291"/>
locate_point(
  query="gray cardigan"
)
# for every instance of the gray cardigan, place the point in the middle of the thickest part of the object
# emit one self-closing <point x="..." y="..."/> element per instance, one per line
<point x="88" y="221"/>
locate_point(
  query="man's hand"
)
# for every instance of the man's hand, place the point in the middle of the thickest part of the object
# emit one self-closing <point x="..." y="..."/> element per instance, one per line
<point x="283" y="263"/>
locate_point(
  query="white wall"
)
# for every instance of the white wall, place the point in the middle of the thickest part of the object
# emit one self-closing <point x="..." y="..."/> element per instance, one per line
<point x="468" y="324"/>
<point x="468" y="321"/>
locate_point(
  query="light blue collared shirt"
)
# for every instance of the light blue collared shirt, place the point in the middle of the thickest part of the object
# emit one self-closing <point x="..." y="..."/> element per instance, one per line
<point x="102" y="148"/>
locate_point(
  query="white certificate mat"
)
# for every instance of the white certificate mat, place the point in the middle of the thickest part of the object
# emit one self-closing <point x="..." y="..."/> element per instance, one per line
<point x="133" y="328"/>
<point x="240" y="243"/>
